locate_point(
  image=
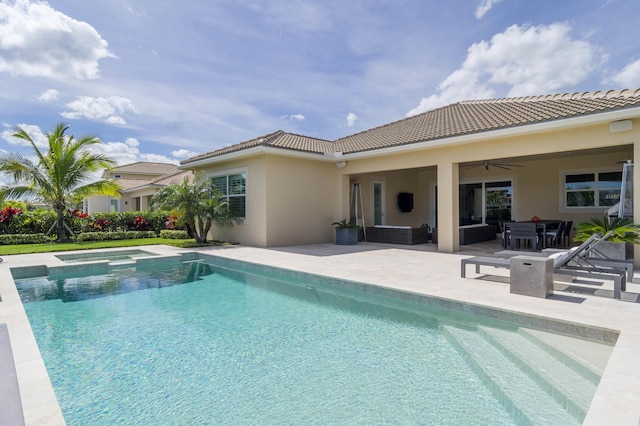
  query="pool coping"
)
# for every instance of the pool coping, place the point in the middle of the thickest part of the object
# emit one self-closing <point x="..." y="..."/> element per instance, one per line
<point x="615" y="401"/>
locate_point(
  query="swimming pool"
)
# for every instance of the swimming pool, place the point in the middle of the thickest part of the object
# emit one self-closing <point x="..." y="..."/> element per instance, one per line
<point x="227" y="346"/>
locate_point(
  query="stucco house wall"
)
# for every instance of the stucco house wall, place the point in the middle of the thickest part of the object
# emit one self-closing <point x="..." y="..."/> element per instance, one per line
<point x="289" y="201"/>
<point x="301" y="201"/>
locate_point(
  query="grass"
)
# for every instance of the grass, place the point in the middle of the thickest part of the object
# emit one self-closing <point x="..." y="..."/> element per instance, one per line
<point x="87" y="245"/>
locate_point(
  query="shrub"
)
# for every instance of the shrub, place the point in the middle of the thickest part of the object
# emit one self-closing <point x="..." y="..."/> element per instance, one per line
<point x="24" y="239"/>
<point x="33" y="222"/>
<point x="174" y="234"/>
<point x="105" y="236"/>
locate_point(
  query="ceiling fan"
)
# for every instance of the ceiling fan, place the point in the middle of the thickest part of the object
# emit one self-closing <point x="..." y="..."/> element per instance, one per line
<point x="486" y="164"/>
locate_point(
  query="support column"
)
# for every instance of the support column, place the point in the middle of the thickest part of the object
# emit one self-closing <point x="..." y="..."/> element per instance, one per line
<point x="344" y="194"/>
<point x="636" y="198"/>
<point x="448" y="207"/>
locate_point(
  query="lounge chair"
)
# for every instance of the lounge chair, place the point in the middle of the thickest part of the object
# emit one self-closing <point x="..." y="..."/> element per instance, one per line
<point x="564" y="263"/>
<point x="590" y="257"/>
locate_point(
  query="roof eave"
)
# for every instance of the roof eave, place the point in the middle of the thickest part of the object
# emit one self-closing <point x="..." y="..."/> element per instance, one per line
<point x="250" y="152"/>
<point x="138" y="188"/>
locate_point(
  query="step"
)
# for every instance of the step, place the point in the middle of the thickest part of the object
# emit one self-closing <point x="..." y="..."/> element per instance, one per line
<point x="568" y="386"/>
<point x="10" y="402"/>
<point x="521" y="395"/>
<point x="592" y="356"/>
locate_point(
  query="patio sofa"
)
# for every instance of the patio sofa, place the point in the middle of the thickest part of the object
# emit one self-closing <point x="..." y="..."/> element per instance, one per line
<point x="470" y="234"/>
<point x="397" y="234"/>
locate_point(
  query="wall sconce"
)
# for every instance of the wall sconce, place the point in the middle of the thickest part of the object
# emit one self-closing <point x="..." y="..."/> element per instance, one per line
<point x="341" y="164"/>
<point x="126" y="202"/>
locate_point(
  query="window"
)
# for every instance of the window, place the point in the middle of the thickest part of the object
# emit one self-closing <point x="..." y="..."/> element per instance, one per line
<point x="233" y="188"/>
<point x="114" y="205"/>
<point x="594" y="189"/>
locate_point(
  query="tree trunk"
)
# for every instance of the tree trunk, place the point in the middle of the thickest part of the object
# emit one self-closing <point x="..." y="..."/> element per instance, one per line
<point x="62" y="234"/>
<point x="207" y="228"/>
<point x="191" y="224"/>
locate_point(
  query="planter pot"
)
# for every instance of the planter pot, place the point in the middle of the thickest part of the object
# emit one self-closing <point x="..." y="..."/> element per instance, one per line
<point x="346" y="236"/>
<point x="613" y="250"/>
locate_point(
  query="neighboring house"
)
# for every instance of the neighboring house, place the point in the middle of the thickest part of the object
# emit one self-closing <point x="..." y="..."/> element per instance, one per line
<point x="465" y="164"/>
<point x="138" y="183"/>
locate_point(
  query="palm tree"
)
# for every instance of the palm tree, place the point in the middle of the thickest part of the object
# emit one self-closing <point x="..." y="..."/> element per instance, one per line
<point x="198" y="203"/>
<point x="60" y="175"/>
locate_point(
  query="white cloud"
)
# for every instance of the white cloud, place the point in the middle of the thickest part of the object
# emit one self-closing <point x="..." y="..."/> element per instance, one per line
<point x="351" y="119"/>
<point x="296" y="117"/>
<point x="529" y="60"/>
<point x="484" y="7"/>
<point x="121" y="152"/>
<point x="184" y="153"/>
<point x="108" y="109"/>
<point x="629" y="77"/>
<point x="41" y="140"/>
<point x="294" y="15"/>
<point x="128" y="152"/>
<point x="157" y="158"/>
<point x="49" y="95"/>
<point x="38" y="41"/>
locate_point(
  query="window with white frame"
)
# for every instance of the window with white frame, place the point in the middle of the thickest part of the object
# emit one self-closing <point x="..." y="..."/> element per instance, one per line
<point x="592" y="189"/>
<point x="234" y="188"/>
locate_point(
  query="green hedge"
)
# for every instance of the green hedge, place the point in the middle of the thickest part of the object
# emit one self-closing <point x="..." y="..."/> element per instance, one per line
<point x="103" y="236"/>
<point x="24" y="239"/>
<point x="30" y="222"/>
<point x="172" y="234"/>
<point x="41" y="221"/>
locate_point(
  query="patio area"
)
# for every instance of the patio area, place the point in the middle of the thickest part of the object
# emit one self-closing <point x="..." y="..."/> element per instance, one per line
<point x="418" y="269"/>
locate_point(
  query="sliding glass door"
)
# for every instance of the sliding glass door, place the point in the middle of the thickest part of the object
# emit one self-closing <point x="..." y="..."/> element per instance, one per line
<point x="485" y="202"/>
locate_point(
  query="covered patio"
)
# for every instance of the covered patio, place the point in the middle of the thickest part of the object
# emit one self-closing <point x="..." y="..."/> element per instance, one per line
<point x="566" y="186"/>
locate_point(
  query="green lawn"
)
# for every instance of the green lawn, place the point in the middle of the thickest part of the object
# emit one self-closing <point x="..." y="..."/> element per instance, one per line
<point x="86" y="245"/>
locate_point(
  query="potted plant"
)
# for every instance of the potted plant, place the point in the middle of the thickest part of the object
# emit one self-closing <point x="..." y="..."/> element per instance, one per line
<point x="346" y="232"/>
<point x="618" y="245"/>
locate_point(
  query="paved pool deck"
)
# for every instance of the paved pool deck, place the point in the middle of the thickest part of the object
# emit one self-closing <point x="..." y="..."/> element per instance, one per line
<point x="416" y="269"/>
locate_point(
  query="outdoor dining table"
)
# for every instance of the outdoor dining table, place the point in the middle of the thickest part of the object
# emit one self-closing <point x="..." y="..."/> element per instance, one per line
<point x="541" y="226"/>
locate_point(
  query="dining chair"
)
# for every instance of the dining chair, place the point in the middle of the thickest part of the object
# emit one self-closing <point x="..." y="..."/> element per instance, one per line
<point x="566" y="235"/>
<point x="525" y="233"/>
<point x="554" y="235"/>
<point x="505" y="233"/>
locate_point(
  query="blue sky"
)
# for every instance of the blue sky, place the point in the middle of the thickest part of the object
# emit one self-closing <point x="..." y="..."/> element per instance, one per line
<point x="163" y="80"/>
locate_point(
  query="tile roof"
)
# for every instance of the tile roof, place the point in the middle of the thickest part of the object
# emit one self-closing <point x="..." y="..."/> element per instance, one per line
<point x="144" y="167"/>
<point x="173" y="178"/>
<point x="478" y="116"/>
<point x="461" y="118"/>
<point x="127" y="184"/>
<point x="277" y="139"/>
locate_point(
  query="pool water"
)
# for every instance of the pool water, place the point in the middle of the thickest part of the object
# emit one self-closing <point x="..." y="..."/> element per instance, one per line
<point x="199" y="344"/>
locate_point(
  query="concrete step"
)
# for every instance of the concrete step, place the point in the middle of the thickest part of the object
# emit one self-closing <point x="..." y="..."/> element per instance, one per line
<point x="568" y="385"/>
<point x="591" y="356"/>
<point x="520" y="394"/>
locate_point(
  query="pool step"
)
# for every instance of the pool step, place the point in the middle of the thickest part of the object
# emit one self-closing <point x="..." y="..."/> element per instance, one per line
<point x="592" y="357"/>
<point x="520" y="393"/>
<point x="571" y="385"/>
